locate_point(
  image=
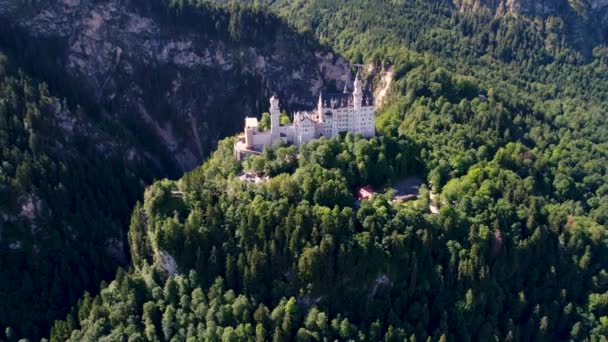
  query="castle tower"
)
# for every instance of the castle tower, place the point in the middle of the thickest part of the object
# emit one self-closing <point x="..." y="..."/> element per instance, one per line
<point x="358" y="93"/>
<point x="320" y="113"/>
<point x="357" y="104"/>
<point x="275" y="112"/>
<point x="248" y="137"/>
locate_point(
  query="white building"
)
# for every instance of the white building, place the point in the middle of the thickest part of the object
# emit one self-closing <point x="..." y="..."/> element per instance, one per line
<point x="335" y="113"/>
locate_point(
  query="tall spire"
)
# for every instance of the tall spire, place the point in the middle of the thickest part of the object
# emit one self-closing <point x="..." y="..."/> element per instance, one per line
<point x="275" y="112"/>
<point x="358" y="84"/>
<point x="320" y="113"/>
<point x="358" y="93"/>
<point x="345" y="91"/>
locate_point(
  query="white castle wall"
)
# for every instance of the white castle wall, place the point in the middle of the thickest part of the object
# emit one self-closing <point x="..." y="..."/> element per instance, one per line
<point x="349" y="116"/>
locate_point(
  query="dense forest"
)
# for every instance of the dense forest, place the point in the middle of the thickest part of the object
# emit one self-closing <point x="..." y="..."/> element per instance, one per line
<point x="74" y="160"/>
<point x="461" y="98"/>
<point x="297" y="258"/>
<point x="503" y="116"/>
<point x="517" y="251"/>
<point x="52" y="185"/>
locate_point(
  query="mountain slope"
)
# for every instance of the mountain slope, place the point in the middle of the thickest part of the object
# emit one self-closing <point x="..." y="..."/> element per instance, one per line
<point x="506" y="120"/>
<point x="497" y="262"/>
<point x="541" y="55"/>
<point x="502" y="113"/>
<point x="585" y="22"/>
<point x="65" y="193"/>
<point x="171" y="73"/>
<point x="136" y="91"/>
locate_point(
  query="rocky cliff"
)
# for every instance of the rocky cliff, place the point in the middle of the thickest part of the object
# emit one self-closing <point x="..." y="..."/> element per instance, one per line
<point x="174" y="80"/>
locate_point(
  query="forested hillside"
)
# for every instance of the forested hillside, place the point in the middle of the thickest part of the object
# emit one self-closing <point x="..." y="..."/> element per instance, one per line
<point x="518" y="85"/>
<point x="517" y="251"/>
<point x="296" y="258"/>
<point x="100" y="98"/>
<point x="504" y="115"/>
<point x="528" y="54"/>
<point x="65" y="193"/>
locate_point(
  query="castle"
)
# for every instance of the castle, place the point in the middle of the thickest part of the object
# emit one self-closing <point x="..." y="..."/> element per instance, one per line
<point x="335" y="113"/>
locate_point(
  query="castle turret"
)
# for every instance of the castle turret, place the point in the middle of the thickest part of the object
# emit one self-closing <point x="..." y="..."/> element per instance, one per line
<point x="251" y="127"/>
<point x="358" y="93"/>
<point x="320" y="113"/>
<point x="357" y="105"/>
<point x="249" y="137"/>
<point x="275" y="112"/>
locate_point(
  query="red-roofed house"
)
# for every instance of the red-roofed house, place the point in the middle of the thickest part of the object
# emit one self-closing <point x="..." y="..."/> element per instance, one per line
<point x="365" y="193"/>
